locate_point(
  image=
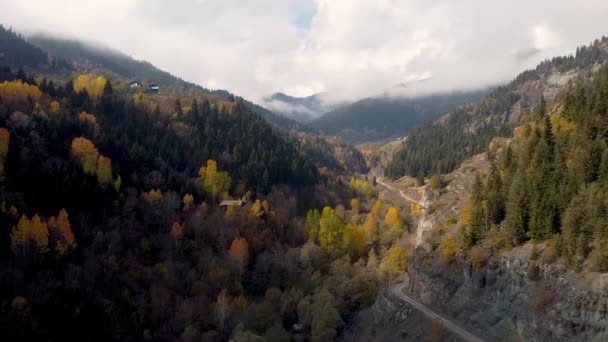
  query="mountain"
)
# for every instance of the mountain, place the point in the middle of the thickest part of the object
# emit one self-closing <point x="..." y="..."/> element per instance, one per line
<point x="302" y="109"/>
<point x="90" y="58"/>
<point x="382" y="117"/>
<point x="440" y="146"/>
<point x="513" y="218"/>
<point x="16" y="52"/>
<point x="179" y="214"/>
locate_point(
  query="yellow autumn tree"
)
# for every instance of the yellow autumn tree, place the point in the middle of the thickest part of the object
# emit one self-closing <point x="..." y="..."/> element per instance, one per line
<point x="370" y="226"/>
<point x="85" y="151"/>
<point x="4" y="143"/>
<point x="104" y="170"/>
<point x="465" y="213"/>
<point x="395" y="261"/>
<point x="19" y="91"/>
<point x="331" y="229"/>
<point x="393" y="218"/>
<point x="362" y="186"/>
<point x="448" y="248"/>
<point x="93" y="85"/>
<point x="257" y="210"/>
<point x="354" y="204"/>
<point x="377" y="208"/>
<point x="354" y="240"/>
<point x="213" y="181"/>
<point x="415" y="209"/>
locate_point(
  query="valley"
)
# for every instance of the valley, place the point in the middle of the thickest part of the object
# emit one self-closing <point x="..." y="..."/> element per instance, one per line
<point x="139" y="206"/>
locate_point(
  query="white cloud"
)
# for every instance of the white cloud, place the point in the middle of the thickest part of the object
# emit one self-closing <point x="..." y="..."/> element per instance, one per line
<point x="351" y="49"/>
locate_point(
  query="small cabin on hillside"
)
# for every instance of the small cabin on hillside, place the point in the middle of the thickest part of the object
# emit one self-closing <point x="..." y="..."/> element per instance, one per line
<point x="231" y="203"/>
<point x="155" y="88"/>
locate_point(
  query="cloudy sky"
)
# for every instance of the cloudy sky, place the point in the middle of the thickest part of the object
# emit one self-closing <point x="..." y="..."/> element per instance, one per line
<point x="347" y="48"/>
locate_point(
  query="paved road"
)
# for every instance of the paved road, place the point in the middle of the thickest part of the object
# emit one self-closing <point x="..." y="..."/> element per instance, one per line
<point x="397" y="289"/>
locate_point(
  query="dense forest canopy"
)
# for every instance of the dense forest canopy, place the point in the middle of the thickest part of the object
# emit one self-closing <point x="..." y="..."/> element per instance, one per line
<point x="114" y="203"/>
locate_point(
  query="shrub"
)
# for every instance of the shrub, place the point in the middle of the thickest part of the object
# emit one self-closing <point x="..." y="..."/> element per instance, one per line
<point x="448" y="248"/>
<point x="478" y="260"/>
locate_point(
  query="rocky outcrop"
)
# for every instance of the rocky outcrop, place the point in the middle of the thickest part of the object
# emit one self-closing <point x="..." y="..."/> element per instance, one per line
<point x="513" y="299"/>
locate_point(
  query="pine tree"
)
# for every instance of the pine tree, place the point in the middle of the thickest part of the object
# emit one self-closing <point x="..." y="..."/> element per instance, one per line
<point x="478" y="225"/>
<point x="516" y="219"/>
<point x="495" y="195"/>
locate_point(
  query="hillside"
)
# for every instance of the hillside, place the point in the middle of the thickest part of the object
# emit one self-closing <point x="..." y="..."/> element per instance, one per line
<point x="440" y="146"/>
<point x="514" y="241"/>
<point x="81" y="57"/>
<point x="377" y="118"/>
<point x="117" y="228"/>
<point x="86" y="58"/>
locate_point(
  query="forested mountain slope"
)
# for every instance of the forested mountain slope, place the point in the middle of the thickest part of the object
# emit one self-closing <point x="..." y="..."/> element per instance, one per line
<point x="381" y="117"/>
<point x="89" y="59"/>
<point x="112" y="209"/>
<point x="114" y="225"/>
<point x="442" y="145"/>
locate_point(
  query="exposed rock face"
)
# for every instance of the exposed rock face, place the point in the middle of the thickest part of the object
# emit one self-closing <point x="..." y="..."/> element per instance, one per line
<point x="390" y="319"/>
<point x="439" y="204"/>
<point x="501" y="301"/>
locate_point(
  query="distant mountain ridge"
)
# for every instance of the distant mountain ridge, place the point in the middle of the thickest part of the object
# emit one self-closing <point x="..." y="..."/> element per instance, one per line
<point x="377" y="118"/>
<point x="301" y="109"/>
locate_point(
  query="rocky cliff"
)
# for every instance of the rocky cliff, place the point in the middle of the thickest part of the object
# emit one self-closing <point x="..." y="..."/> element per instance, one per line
<point x="513" y="298"/>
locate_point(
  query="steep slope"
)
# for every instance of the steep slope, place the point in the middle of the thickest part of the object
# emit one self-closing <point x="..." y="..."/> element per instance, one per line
<point x="442" y="145"/>
<point x="377" y="118"/>
<point x="16" y="52"/>
<point x="516" y="238"/>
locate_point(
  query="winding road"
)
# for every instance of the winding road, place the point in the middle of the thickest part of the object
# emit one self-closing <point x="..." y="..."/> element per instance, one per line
<point x="401" y="193"/>
<point x="453" y="327"/>
<point x="423" y="224"/>
<point x="397" y="289"/>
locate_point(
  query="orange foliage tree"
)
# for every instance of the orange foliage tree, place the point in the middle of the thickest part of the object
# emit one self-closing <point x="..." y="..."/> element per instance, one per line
<point x="61" y="232"/>
<point x="4" y="141"/>
<point x="87" y="117"/>
<point x="177" y="231"/>
<point x="239" y="250"/>
<point x="28" y="231"/>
